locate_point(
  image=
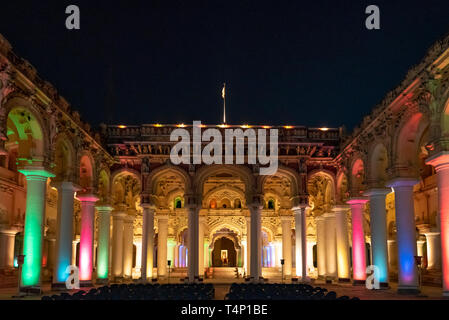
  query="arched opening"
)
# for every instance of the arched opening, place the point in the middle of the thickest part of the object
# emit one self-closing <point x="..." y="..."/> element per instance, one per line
<point x="213" y="204"/>
<point x="178" y="203"/>
<point x="271" y="204"/>
<point x="224" y="253"/>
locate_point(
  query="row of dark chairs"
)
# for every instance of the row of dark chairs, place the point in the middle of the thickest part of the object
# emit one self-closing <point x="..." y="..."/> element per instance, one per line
<point x="141" y="292"/>
<point x="281" y="292"/>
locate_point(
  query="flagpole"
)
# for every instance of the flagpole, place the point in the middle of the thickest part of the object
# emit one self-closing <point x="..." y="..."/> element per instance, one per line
<point x="224" y="103"/>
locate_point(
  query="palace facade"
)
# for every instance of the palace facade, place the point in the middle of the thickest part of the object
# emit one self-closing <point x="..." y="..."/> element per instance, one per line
<point x="111" y="202"/>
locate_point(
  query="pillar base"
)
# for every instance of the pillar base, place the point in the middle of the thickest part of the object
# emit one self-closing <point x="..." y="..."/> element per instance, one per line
<point x="344" y="280"/>
<point x="59" y="286"/>
<point x="102" y="281"/>
<point x="408" y="290"/>
<point x="86" y="283"/>
<point x="359" y="282"/>
<point x="31" y="290"/>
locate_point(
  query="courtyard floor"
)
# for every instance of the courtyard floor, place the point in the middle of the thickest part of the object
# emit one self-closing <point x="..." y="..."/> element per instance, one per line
<point x="222" y="287"/>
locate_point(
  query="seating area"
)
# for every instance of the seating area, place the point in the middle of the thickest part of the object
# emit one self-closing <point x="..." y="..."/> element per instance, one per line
<point x="141" y="292"/>
<point x="281" y="292"/>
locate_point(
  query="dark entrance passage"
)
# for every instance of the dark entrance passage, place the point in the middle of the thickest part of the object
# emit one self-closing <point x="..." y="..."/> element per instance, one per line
<point x="224" y="254"/>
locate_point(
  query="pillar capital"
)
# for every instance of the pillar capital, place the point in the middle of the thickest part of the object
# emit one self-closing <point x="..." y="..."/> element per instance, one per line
<point x="87" y="197"/>
<point x="377" y="192"/>
<point x="341" y="207"/>
<point x="104" y="208"/>
<point x="439" y="160"/>
<point x="357" y="200"/>
<point x="328" y="215"/>
<point x="36" y="173"/>
<point x="286" y="218"/>
<point x="118" y="214"/>
<point x="162" y="217"/>
<point x="402" y="182"/>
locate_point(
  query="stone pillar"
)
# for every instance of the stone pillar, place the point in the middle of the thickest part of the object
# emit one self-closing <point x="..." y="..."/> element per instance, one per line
<point x="64" y="233"/>
<point x="128" y="241"/>
<point x="34" y="223"/>
<point x="311" y="242"/>
<point x="441" y="163"/>
<point x="433" y="251"/>
<point x="248" y="246"/>
<point x="358" y="241"/>
<point x="74" y="245"/>
<point x="193" y="245"/>
<point x="86" y="238"/>
<point x="7" y="239"/>
<point x="406" y="234"/>
<point x="201" y="246"/>
<point x="255" y="241"/>
<point x="104" y="227"/>
<point x="321" y="247"/>
<point x="378" y="224"/>
<point x="286" y="223"/>
<point x="245" y="254"/>
<point x="342" y="242"/>
<point x="392" y="255"/>
<point x="147" y="242"/>
<point x="162" y="221"/>
<point x="331" y="247"/>
<point x="301" y="242"/>
<point x="117" y="243"/>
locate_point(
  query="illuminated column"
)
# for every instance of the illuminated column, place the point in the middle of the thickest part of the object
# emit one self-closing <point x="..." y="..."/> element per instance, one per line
<point x="104" y="227"/>
<point x="433" y="251"/>
<point x="441" y="163"/>
<point x="64" y="232"/>
<point x="128" y="241"/>
<point x="301" y="242"/>
<point x="201" y="246"/>
<point x="358" y="241"/>
<point x="193" y="245"/>
<point x="392" y="255"/>
<point x="341" y="232"/>
<point x="331" y="247"/>
<point x="406" y="234"/>
<point x="248" y="246"/>
<point x="7" y="239"/>
<point x="310" y="244"/>
<point x="245" y="254"/>
<point x="286" y="223"/>
<point x="117" y="243"/>
<point x="34" y="222"/>
<point x="86" y="238"/>
<point x="321" y="246"/>
<point x="162" y="245"/>
<point x="147" y="241"/>
<point x="171" y="246"/>
<point x="378" y="224"/>
<point x="74" y="245"/>
<point x="206" y="252"/>
<point x="255" y="241"/>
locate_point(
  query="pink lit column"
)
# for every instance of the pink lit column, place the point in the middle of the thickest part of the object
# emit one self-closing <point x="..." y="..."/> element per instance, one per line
<point x="406" y="234"/>
<point x="86" y="238"/>
<point x="441" y="163"/>
<point x="358" y="241"/>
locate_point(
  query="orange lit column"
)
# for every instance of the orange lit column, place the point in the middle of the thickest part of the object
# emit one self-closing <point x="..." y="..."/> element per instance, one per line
<point x="128" y="239"/>
<point x="86" y="238"/>
<point x="300" y="242"/>
<point x="441" y="163"/>
<point x="342" y="242"/>
<point x="147" y="241"/>
<point x="321" y="246"/>
<point x="358" y="241"/>
<point x="286" y="223"/>
<point x="162" y="221"/>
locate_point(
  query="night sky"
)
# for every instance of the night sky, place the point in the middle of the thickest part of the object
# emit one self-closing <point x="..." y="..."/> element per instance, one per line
<point x="165" y="61"/>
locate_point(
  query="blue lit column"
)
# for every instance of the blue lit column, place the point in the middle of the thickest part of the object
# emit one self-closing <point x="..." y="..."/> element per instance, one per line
<point x="64" y="233"/>
<point x="378" y="220"/>
<point x="406" y="234"/>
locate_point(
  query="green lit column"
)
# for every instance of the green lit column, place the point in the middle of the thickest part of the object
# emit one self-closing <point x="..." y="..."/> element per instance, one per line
<point x="34" y="223"/>
<point x="104" y="227"/>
